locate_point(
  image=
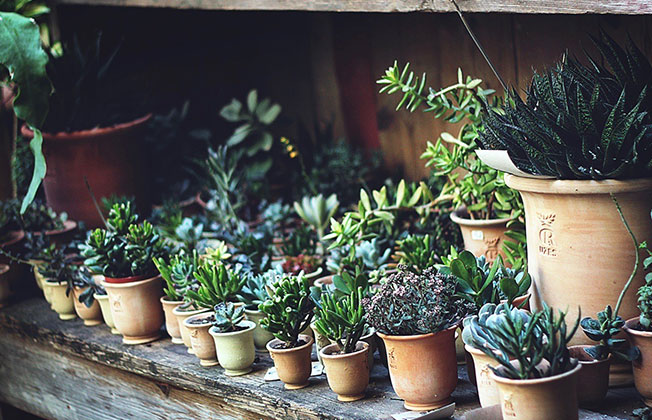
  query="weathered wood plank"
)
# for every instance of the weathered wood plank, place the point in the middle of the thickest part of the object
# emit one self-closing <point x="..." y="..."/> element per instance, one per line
<point x="390" y="6"/>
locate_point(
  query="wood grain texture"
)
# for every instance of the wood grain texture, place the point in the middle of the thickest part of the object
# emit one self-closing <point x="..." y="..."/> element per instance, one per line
<point x="63" y="370"/>
<point x="392" y="6"/>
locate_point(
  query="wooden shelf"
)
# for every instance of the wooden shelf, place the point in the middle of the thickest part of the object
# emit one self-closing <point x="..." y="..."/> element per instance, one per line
<point x="636" y="7"/>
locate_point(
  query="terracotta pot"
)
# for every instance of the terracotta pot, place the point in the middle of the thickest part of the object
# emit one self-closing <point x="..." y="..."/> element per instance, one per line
<point x="236" y="351"/>
<point x="370" y="338"/>
<point x="136" y="309"/>
<point x="482" y="237"/>
<point x="554" y="397"/>
<point x="326" y="280"/>
<point x="62" y="304"/>
<point x="321" y="341"/>
<point x="202" y="343"/>
<point x="593" y="378"/>
<point x="292" y="365"/>
<point x="575" y="234"/>
<point x="120" y="280"/>
<point x="487" y="388"/>
<point x="182" y="314"/>
<point x="171" y="323"/>
<point x="5" y="290"/>
<point x="347" y="374"/>
<point x="643" y="365"/>
<point x="110" y="158"/>
<point x="61" y="236"/>
<point x="105" y="307"/>
<point x="422" y="368"/>
<point x="91" y="316"/>
<point x="261" y="336"/>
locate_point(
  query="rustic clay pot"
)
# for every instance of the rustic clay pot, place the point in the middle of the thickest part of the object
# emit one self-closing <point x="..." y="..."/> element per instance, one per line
<point x="91" y="316"/>
<point x="110" y="158"/>
<point x="181" y="313"/>
<point x="643" y="365"/>
<point x="593" y="378"/>
<point x="61" y="236"/>
<point x="236" y="351"/>
<point x="261" y="336"/>
<point x="61" y="304"/>
<point x="482" y="237"/>
<point x="487" y="388"/>
<point x="136" y="309"/>
<point x="105" y="307"/>
<point x="554" y="397"/>
<point x="292" y="365"/>
<point x="422" y="368"/>
<point x="347" y="374"/>
<point x="5" y="290"/>
<point x="171" y="323"/>
<point x="202" y="343"/>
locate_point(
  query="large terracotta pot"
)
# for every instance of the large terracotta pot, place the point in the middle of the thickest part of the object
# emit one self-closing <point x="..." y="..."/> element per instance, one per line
<point x="643" y="365"/>
<point x="136" y="309"/>
<point x="575" y="235"/>
<point x="293" y="366"/>
<point x="61" y="236"/>
<point x="105" y="307"/>
<point x="201" y="341"/>
<point x="261" y="335"/>
<point x="593" y="378"/>
<point x="347" y="374"/>
<point x="487" y="388"/>
<point x="171" y="323"/>
<point x="182" y="313"/>
<point x="91" y="316"/>
<point x="110" y="158"/>
<point x="422" y="368"/>
<point x="62" y="303"/>
<point x="236" y="351"/>
<point x="554" y="397"/>
<point x="482" y="237"/>
<point x="5" y="290"/>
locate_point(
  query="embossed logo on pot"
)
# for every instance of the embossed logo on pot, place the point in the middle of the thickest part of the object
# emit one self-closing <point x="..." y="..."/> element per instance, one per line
<point x="547" y="244"/>
<point x="508" y="407"/>
<point x="117" y="305"/>
<point x="492" y="248"/>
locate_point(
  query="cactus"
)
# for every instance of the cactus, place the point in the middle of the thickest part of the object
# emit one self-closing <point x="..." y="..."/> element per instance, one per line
<point x="227" y="317"/>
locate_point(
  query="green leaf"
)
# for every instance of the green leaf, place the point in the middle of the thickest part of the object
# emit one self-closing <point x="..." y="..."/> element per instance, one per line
<point x="40" y="168"/>
<point x="252" y="100"/>
<point x="271" y="114"/>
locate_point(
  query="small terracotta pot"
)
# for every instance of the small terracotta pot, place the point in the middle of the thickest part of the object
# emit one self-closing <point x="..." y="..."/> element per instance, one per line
<point x="61" y="304"/>
<point x="347" y="374"/>
<point x="482" y="237"/>
<point x="136" y="309"/>
<point x="593" y="378"/>
<point x="236" y="351"/>
<point x="171" y="323"/>
<point x="91" y="316"/>
<point x="553" y="397"/>
<point x="5" y="290"/>
<point x="261" y="336"/>
<point x="487" y="388"/>
<point x="182" y="314"/>
<point x="643" y="365"/>
<point x="105" y="307"/>
<point x="422" y="368"/>
<point x="292" y="365"/>
<point x="202" y="343"/>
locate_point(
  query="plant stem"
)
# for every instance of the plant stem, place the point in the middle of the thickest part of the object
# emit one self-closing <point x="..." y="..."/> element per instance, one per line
<point x="636" y="261"/>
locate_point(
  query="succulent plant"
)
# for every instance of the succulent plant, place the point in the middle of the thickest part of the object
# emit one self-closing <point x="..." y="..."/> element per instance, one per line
<point x="289" y="309"/>
<point x="83" y="278"/>
<point x="253" y="250"/>
<point x="39" y="217"/>
<point x="189" y="232"/>
<point x="317" y="211"/>
<point x="217" y="284"/>
<point x="254" y="291"/>
<point x="301" y="240"/>
<point x="603" y="330"/>
<point x="301" y="263"/>
<point x="227" y="317"/>
<point x="216" y="251"/>
<point x="645" y="293"/>
<point x="373" y="254"/>
<point x="409" y="303"/>
<point x="178" y="274"/>
<point x="417" y="252"/>
<point x="341" y="319"/>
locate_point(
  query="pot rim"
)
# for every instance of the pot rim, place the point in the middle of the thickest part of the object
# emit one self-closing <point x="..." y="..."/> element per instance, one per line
<point x="14" y="236"/>
<point x="309" y="343"/>
<point x="591" y="362"/>
<point x="202" y="315"/>
<point x="629" y="328"/>
<point x="55" y="283"/>
<point x="126" y="285"/>
<point x="128" y="279"/>
<point x="253" y="311"/>
<point x="577" y="186"/>
<point x="90" y="132"/>
<point x="249" y="324"/>
<point x="322" y="352"/>
<point x="4" y="268"/>
<point x="164" y="299"/>
<point x="176" y="311"/>
<point x="100" y="297"/>
<point x="474" y="350"/>
<point x="535" y="382"/>
<point x="456" y="218"/>
<point x="414" y="337"/>
<point x="68" y="225"/>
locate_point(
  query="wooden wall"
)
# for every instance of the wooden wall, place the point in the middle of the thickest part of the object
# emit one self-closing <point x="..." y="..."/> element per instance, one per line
<point x="322" y="67"/>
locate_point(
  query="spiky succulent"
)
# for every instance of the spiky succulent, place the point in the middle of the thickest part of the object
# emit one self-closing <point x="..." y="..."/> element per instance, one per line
<point x="254" y="291"/>
<point x="178" y="274"/>
<point x="580" y="121"/>
<point x="217" y="283"/>
<point x="341" y="319"/>
<point x="227" y="317"/>
<point x="417" y="252"/>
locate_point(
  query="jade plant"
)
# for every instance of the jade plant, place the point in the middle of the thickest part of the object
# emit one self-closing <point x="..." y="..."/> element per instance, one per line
<point x="178" y="274"/>
<point x="342" y="320"/>
<point x="409" y="303"/>
<point x="289" y="309"/>
<point x="227" y="317"/>
<point x="217" y="283"/>
<point x="317" y="211"/>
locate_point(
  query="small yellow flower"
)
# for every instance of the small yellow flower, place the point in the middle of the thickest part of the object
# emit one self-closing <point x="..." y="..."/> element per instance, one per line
<point x="293" y="154"/>
<point x="284" y="140"/>
<point x="289" y="148"/>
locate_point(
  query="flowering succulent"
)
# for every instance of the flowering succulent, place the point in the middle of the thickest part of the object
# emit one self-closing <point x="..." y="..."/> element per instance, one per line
<point x="409" y="303"/>
<point x="302" y="262"/>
